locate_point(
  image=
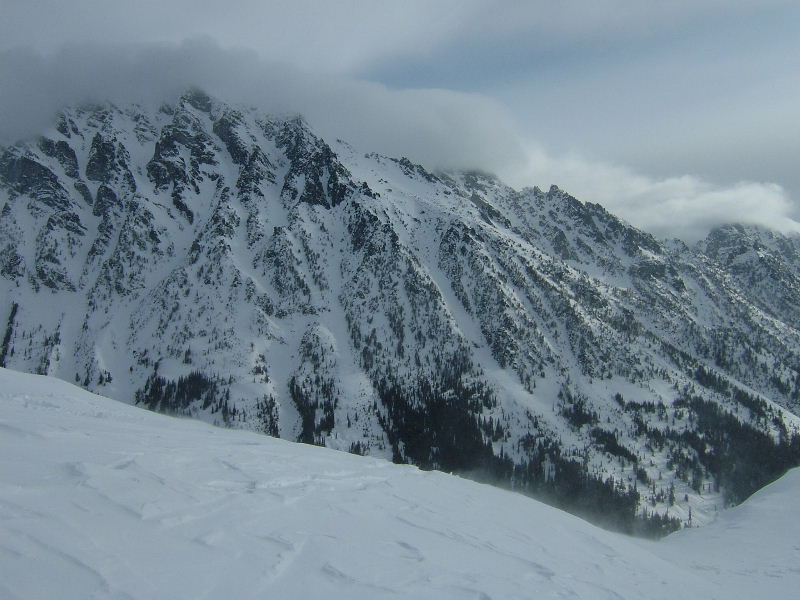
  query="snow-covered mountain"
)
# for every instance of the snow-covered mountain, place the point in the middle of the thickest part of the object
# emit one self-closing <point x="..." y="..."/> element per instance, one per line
<point x="207" y="260"/>
<point x="103" y="500"/>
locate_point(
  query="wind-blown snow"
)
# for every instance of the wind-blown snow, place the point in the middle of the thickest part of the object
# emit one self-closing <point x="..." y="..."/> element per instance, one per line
<point x="103" y="500"/>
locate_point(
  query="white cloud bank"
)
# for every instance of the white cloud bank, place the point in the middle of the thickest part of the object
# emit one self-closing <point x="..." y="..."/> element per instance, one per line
<point x="685" y="206"/>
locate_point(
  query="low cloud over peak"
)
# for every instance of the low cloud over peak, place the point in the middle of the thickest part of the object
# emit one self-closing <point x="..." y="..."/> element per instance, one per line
<point x="442" y="129"/>
<point x="682" y="206"/>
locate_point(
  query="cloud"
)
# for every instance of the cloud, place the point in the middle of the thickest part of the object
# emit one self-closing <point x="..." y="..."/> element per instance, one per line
<point x="326" y="36"/>
<point x="439" y="128"/>
<point x="443" y="129"/>
<point x="599" y="18"/>
<point x="686" y="206"/>
<point x="346" y="34"/>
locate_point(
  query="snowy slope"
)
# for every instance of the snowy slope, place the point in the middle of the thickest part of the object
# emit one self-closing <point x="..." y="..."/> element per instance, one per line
<point x="752" y="547"/>
<point x="102" y="500"/>
<point x="205" y="259"/>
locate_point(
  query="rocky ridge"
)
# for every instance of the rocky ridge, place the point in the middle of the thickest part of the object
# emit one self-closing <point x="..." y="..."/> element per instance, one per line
<point x="208" y="260"/>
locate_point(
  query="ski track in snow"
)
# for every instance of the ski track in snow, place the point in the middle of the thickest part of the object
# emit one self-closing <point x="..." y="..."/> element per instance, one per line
<point x="102" y="500"/>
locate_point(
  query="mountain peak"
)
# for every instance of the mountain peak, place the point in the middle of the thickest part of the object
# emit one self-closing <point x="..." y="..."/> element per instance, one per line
<point x="198" y="99"/>
<point x="209" y="260"/>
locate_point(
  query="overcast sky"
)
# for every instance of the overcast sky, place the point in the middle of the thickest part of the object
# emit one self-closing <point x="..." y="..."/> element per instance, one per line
<point x="678" y="115"/>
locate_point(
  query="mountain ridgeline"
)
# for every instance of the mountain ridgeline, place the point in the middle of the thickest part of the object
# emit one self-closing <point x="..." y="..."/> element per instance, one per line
<point x="207" y="260"/>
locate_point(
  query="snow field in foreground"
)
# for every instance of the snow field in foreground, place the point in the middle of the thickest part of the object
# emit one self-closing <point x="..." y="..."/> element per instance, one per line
<point x="99" y="499"/>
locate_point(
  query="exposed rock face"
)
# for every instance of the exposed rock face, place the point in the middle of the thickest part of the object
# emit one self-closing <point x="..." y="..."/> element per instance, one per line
<point x="207" y="260"/>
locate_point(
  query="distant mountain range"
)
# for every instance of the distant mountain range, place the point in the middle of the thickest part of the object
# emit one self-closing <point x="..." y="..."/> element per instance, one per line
<point x="208" y="260"/>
